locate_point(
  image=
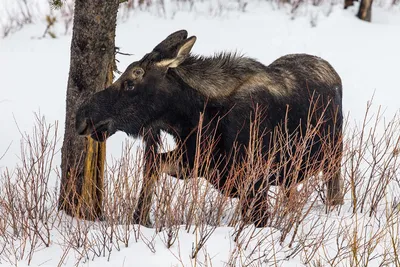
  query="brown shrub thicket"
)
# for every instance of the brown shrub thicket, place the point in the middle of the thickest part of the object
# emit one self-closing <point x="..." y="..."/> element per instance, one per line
<point x="364" y="230"/>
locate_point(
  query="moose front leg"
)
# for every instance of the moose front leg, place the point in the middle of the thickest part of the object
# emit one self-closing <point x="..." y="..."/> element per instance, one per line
<point x="142" y="211"/>
<point x="150" y="177"/>
<point x="155" y="163"/>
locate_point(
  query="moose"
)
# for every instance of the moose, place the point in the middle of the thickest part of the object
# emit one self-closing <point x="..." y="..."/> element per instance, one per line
<point x="172" y="90"/>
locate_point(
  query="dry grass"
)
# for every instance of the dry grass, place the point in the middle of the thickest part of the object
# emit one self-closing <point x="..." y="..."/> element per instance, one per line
<point x="363" y="232"/>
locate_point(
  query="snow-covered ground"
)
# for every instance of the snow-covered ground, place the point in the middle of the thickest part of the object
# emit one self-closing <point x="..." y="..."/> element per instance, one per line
<point x="34" y="76"/>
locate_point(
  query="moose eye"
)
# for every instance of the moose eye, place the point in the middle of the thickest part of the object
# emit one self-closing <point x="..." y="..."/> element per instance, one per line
<point x="138" y="72"/>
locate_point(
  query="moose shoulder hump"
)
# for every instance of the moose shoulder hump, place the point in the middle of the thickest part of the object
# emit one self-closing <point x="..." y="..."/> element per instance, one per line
<point x="225" y="74"/>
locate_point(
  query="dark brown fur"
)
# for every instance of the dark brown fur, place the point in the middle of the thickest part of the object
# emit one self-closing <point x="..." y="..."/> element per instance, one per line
<point x="169" y="88"/>
<point x="226" y="74"/>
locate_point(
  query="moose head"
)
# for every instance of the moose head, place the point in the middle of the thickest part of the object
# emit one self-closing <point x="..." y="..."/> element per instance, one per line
<point x="142" y="95"/>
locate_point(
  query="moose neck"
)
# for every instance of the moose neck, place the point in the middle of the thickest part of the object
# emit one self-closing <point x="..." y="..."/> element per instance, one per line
<point x="217" y="76"/>
<point x="183" y="116"/>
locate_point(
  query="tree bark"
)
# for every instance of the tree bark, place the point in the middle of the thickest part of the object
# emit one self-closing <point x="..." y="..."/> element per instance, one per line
<point x="91" y="69"/>
<point x="364" y="12"/>
<point x="348" y="3"/>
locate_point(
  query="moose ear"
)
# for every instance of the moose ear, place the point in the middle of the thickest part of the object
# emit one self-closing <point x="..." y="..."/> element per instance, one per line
<point x="186" y="46"/>
<point x="182" y="53"/>
<point x="171" y="42"/>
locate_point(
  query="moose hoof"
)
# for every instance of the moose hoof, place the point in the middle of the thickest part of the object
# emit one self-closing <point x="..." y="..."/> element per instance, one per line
<point x="138" y="219"/>
<point x="335" y="202"/>
<point x="262" y="221"/>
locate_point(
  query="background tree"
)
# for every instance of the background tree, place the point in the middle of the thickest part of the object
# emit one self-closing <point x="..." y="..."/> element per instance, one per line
<point x="364" y="12"/>
<point x="91" y="69"/>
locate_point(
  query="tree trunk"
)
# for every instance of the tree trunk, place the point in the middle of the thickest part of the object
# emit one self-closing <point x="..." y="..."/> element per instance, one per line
<point x="364" y="12"/>
<point x="91" y="70"/>
<point x="348" y="3"/>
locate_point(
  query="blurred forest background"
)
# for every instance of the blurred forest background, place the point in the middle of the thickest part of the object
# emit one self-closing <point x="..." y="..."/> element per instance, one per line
<point x="57" y="15"/>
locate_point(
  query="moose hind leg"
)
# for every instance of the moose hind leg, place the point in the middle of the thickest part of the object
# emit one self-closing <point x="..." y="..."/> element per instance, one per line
<point x="334" y="189"/>
<point x="171" y="164"/>
<point x="335" y="183"/>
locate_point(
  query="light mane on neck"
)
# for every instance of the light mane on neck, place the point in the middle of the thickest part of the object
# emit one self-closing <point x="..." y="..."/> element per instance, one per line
<point x="219" y="75"/>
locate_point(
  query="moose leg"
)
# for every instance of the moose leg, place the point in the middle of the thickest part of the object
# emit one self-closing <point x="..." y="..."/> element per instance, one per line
<point x="335" y="184"/>
<point x="255" y="210"/>
<point x="150" y="176"/>
<point x="334" y="188"/>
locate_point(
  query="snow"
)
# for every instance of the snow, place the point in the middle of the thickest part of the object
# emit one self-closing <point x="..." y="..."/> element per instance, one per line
<point x="34" y="75"/>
